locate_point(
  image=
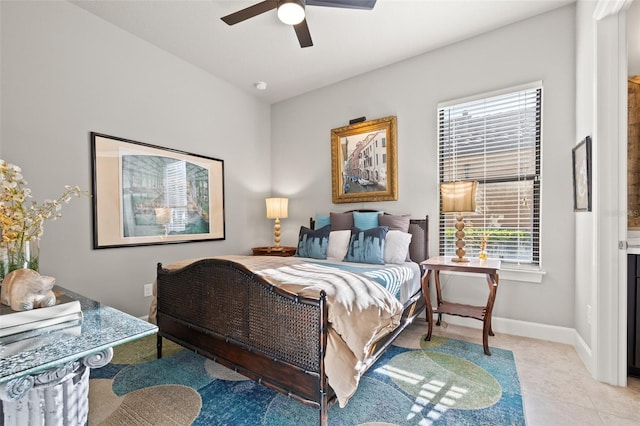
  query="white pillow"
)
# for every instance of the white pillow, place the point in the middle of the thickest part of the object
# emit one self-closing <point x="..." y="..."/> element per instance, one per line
<point x="396" y="246"/>
<point x="338" y="244"/>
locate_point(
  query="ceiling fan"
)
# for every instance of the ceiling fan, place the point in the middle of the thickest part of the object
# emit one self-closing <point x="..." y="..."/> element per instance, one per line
<point x="292" y="12"/>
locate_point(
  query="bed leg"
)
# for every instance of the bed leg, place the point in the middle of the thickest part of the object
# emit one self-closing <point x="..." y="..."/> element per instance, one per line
<point x="324" y="420"/>
<point x="159" y="345"/>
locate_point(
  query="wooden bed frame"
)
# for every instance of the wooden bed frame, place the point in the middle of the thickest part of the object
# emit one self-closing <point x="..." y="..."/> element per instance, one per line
<point x="221" y="310"/>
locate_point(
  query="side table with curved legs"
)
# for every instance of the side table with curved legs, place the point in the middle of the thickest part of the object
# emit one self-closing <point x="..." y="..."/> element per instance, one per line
<point x="489" y="268"/>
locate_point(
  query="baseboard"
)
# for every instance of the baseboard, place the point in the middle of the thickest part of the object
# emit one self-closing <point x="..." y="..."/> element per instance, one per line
<point x="584" y="352"/>
<point x="547" y="332"/>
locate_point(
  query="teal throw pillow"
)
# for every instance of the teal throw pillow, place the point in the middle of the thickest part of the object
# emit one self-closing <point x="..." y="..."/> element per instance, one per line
<point x="366" y="220"/>
<point x="367" y="246"/>
<point x="322" y="220"/>
<point x="313" y="243"/>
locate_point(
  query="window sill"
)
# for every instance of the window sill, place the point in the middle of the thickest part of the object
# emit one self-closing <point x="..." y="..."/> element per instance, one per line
<point x="527" y="274"/>
<point x="512" y="272"/>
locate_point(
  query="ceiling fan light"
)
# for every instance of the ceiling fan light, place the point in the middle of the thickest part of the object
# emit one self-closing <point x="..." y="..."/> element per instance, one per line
<point x="291" y="12"/>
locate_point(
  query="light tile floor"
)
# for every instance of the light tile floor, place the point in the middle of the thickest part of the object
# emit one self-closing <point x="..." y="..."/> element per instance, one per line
<point x="557" y="389"/>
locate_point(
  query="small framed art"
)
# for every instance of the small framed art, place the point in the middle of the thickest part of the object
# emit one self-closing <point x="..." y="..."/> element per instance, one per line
<point x="582" y="176"/>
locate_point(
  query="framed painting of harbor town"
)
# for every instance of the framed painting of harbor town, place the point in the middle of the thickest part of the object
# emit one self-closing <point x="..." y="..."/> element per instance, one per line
<point x="145" y="194"/>
<point x="364" y="161"/>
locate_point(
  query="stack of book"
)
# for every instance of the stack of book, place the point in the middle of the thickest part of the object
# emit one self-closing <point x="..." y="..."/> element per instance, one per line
<point x="66" y="310"/>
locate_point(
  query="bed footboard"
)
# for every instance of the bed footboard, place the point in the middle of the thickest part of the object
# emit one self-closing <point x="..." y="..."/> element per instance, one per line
<point x="220" y="309"/>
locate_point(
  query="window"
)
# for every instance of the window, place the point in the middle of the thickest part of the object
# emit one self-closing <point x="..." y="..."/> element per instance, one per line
<point x="495" y="140"/>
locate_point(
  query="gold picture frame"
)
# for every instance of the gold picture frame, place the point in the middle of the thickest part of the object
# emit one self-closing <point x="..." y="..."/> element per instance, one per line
<point x="364" y="165"/>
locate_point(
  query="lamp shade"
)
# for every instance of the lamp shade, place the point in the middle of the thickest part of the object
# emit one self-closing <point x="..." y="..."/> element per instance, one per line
<point x="291" y="12"/>
<point x="277" y="208"/>
<point x="458" y="197"/>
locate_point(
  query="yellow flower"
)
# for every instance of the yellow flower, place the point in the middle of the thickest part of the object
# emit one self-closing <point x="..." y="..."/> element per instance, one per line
<point x="22" y="221"/>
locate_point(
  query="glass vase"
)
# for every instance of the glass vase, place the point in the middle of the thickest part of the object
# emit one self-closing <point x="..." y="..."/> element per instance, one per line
<point x="19" y="254"/>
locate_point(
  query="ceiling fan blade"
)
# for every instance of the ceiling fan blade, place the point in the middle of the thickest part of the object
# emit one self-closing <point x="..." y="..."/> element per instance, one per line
<point x="346" y="4"/>
<point x="250" y="12"/>
<point x="304" y="36"/>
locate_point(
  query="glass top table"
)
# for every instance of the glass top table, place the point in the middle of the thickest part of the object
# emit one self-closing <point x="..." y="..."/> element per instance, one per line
<point x="49" y="356"/>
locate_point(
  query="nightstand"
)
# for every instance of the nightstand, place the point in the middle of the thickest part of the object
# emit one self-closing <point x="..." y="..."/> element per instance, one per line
<point x="274" y="251"/>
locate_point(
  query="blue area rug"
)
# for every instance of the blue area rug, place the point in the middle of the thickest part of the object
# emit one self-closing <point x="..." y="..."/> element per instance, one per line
<point x="442" y="382"/>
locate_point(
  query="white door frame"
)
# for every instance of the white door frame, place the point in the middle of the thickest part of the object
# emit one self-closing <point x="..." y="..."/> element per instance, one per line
<point x="609" y="295"/>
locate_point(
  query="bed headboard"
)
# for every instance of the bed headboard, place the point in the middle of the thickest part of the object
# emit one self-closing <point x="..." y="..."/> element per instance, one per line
<point x="418" y="228"/>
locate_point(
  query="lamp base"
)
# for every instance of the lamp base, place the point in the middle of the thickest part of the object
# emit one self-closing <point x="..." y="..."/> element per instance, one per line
<point x="276" y="234"/>
<point x="460" y="244"/>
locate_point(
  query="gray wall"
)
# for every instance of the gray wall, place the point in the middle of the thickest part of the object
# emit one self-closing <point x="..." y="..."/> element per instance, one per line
<point x="541" y="48"/>
<point x="65" y="73"/>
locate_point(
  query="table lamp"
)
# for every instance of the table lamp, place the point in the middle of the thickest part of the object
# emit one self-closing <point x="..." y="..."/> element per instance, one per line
<point x="277" y="209"/>
<point x="459" y="197"/>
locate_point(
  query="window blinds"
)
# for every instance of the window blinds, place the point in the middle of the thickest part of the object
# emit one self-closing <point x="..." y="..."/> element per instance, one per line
<point x="495" y="141"/>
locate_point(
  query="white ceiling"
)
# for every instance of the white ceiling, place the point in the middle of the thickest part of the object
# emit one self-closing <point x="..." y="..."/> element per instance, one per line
<point x="347" y="42"/>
